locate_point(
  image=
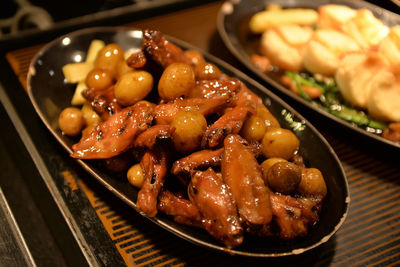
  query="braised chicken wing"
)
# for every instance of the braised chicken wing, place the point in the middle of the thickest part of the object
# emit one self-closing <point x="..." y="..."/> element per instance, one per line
<point x="197" y="160"/>
<point x="136" y="60"/>
<point x="216" y="87"/>
<point x="154" y="167"/>
<point x="241" y="172"/>
<point x="292" y="215"/>
<point x="165" y="113"/>
<point x="150" y="137"/>
<point x="159" y="49"/>
<point x="183" y="210"/>
<point x="103" y="102"/>
<point x="229" y="123"/>
<point x="217" y="207"/>
<point x="115" y="135"/>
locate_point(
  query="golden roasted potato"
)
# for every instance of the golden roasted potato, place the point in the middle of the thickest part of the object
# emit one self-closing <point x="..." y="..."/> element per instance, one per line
<point x="312" y="183"/>
<point x="284" y="177"/>
<point x="253" y="128"/>
<point x="135" y="175"/>
<point x="90" y="116"/>
<point x="207" y="71"/>
<point x="279" y="142"/>
<point x="176" y="81"/>
<point x="71" y="121"/>
<point x="133" y="86"/>
<point x="99" y="79"/>
<point x="109" y="57"/>
<point x="267" y="164"/>
<point x="189" y="129"/>
<point x="195" y="57"/>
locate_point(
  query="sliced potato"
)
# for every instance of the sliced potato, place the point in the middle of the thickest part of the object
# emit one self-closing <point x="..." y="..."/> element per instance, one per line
<point x="279" y="52"/>
<point x="94" y="48"/>
<point x="365" y="28"/>
<point x="77" y="98"/>
<point x="264" y="20"/>
<point x="334" y="16"/>
<point x="319" y="59"/>
<point x="390" y="46"/>
<point x="322" y="54"/>
<point x="295" y="35"/>
<point x="355" y="75"/>
<point x="336" y="42"/>
<point x="384" y="99"/>
<point x="76" y="72"/>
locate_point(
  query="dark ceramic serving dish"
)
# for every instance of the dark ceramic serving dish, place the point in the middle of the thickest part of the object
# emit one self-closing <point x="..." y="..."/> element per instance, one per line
<point x="50" y="94"/>
<point x="232" y="24"/>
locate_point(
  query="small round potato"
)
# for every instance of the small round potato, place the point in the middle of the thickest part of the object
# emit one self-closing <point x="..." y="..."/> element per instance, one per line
<point x="266" y="115"/>
<point x="195" y="56"/>
<point x="312" y="183"/>
<point x="90" y="116"/>
<point x="267" y="164"/>
<point x="176" y="81"/>
<point x="207" y="71"/>
<point x="189" y="128"/>
<point x="135" y="175"/>
<point x="122" y="68"/>
<point x="99" y="79"/>
<point x="284" y="177"/>
<point x="71" y="121"/>
<point x="253" y="128"/>
<point x="109" y="58"/>
<point x="132" y="87"/>
<point x="278" y="142"/>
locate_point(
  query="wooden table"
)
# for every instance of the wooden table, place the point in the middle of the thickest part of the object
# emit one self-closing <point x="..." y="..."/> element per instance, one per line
<point x="370" y="235"/>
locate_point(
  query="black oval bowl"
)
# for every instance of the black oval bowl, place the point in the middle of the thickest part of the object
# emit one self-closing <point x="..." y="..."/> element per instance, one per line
<point x="232" y="25"/>
<point x="50" y="94"/>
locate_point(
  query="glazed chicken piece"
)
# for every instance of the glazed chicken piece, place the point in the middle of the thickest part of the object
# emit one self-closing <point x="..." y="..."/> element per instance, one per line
<point x="165" y="113"/>
<point x="197" y="160"/>
<point x="183" y="211"/>
<point x="103" y="102"/>
<point x="161" y="50"/>
<point x="136" y="60"/>
<point x="115" y="135"/>
<point x="155" y="133"/>
<point x="229" y="123"/>
<point x="217" y="207"/>
<point x="154" y="166"/>
<point x="293" y="216"/>
<point x="212" y="88"/>
<point x="245" y="95"/>
<point x="242" y="173"/>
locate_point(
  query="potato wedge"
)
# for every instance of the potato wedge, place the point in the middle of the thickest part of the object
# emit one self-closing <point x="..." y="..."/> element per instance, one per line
<point x="365" y="28"/>
<point x="94" y="48"/>
<point x="77" y="98"/>
<point x="334" y="16"/>
<point x="264" y="20"/>
<point x="76" y="72"/>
